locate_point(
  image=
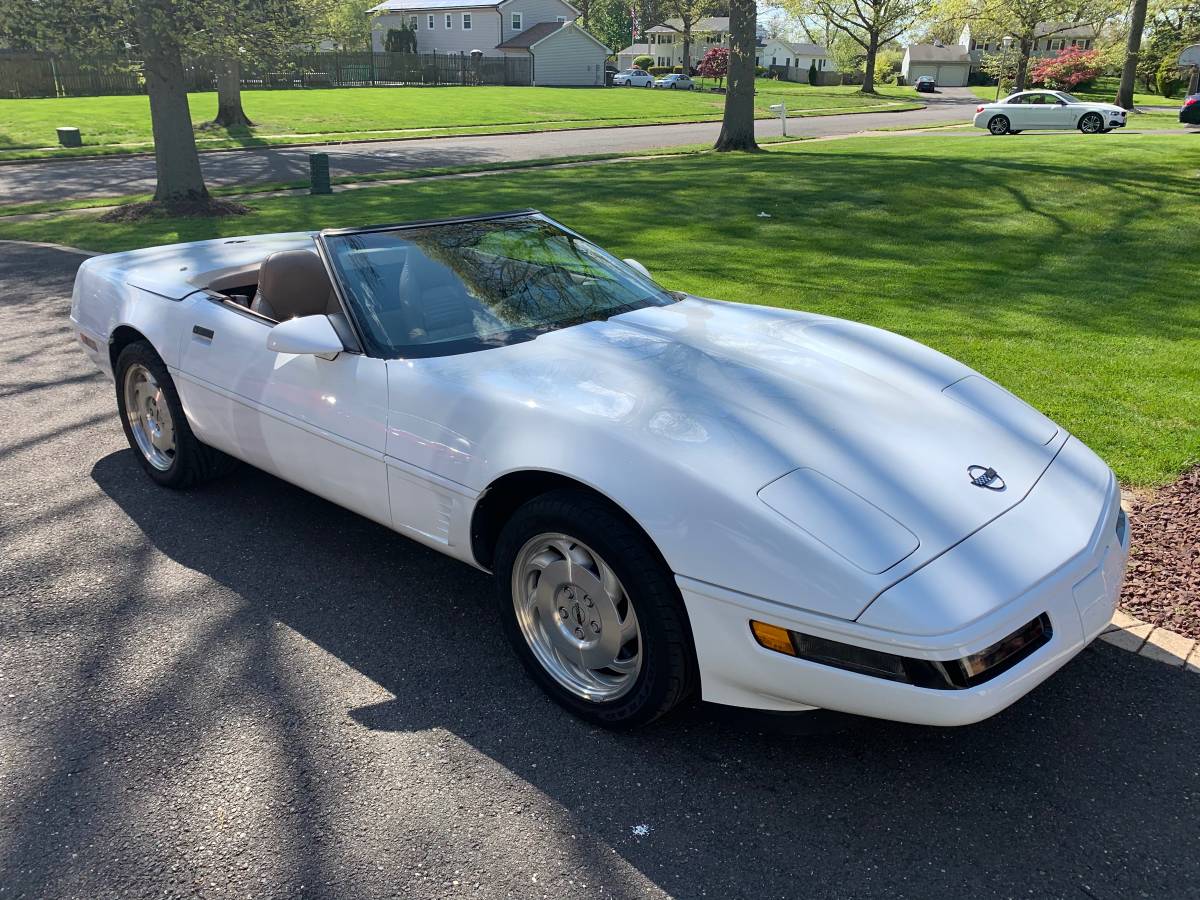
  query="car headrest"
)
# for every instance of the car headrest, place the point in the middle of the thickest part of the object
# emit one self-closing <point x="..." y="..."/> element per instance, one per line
<point x="294" y="283"/>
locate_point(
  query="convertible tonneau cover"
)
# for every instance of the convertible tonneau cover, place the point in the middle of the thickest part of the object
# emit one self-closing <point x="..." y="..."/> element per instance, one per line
<point x="176" y="270"/>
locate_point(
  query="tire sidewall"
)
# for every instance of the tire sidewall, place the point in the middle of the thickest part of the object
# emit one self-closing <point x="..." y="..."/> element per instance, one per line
<point x="1004" y="119"/>
<point x="1091" y="117"/>
<point x="141" y="353"/>
<point x="647" y="582"/>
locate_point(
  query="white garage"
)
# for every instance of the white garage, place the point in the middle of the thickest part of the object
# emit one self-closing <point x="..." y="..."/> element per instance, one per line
<point x="949" y="66"/>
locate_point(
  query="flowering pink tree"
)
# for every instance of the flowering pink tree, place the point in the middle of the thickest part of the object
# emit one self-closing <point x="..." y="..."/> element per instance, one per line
<point x="715" y="64"/>
<point x="1073" y="66"/>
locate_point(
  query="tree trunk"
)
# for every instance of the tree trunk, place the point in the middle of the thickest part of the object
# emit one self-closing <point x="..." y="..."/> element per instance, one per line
<point x="1024" y="51"/>
<point x="868" y="85"/>
<point x="687" y="47"/>
<point x="176" y="161"/>
<point x="1133" y="47"/>
<point x="229" y="96"/>
<point x="737" y="126"/>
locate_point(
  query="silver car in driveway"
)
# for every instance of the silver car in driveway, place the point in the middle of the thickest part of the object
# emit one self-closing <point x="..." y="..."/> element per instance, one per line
<point x="676" y="82"/>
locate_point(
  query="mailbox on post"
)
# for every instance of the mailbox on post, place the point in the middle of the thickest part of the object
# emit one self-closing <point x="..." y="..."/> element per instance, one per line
<point x="780" y="109"/>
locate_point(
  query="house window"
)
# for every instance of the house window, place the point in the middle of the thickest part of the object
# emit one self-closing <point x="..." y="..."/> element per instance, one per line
<point x="412" y="22"/>
<point x="1057" y="44"/>
<point x="562" y="20"/>
<point x="449" y="22"/>
<point x="516" y="22"/>
<point x="429" y="21"/>
<point x="773" y="60"/>
<point x="466" y="21"/>
<point x="821" y="65"/>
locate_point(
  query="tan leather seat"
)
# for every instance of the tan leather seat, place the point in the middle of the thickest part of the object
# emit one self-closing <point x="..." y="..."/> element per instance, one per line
<point x="293" y="283"/>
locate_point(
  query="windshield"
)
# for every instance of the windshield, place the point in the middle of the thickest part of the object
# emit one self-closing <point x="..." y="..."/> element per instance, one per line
<point x="457" y="287"/>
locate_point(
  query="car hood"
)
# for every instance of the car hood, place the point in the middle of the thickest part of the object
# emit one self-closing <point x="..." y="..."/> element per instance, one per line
<point x="739" y="396"/>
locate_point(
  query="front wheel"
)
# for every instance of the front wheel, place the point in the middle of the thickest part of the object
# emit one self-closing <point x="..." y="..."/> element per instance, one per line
<point x="1014" y="131"/>
<point x="1091" y="124"/>
<point x="998" y="125"/>
<point x="155" y="424"/>
<point x="592" y="611"/>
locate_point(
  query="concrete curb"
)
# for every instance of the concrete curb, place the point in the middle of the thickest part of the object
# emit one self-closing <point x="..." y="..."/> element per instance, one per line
<point x="1152" y="642"/>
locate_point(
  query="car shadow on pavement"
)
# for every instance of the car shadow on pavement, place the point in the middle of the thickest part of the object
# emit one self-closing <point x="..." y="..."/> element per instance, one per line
<point x="1088" y="785"/>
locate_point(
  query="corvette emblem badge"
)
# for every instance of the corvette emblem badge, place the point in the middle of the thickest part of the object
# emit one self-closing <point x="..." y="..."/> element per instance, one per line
<point x="985" y="477"/>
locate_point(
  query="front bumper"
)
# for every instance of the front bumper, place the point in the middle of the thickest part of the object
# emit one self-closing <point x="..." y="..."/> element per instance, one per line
<point x="1056" y="553"/>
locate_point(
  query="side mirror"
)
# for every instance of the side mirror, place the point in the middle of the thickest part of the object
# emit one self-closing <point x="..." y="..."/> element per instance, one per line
<point x="311" y="335"/>
<point x="637" y="266"/>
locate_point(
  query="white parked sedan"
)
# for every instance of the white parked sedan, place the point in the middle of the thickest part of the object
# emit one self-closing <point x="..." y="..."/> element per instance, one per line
<point x="633" y="78"/>
<point x="1048" y="110"/>
<point x="777" y="509"/>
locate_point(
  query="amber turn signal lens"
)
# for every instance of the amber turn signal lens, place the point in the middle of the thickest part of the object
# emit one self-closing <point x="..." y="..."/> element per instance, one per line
<point x="773" y="637"/>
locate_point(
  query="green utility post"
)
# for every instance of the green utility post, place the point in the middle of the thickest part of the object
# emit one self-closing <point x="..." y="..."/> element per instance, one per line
<point x="318" y="173"/>
<point x="69" y="137"/>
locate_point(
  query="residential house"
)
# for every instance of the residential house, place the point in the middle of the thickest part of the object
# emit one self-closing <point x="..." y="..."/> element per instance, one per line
<point x="665" y="42"/>
<point x="795" y="58"/>
<point x="544" y="31"/>
<point x="1045" y="44"/>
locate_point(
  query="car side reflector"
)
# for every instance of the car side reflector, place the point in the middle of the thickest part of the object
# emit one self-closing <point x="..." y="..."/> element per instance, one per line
<point x="773" y="637"/>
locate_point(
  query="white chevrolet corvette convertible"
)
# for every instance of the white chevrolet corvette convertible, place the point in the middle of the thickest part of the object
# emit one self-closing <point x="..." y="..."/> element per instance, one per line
<point x="776" y="509"/>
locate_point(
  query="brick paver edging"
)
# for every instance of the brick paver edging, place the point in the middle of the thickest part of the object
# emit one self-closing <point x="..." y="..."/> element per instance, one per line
<point x="1152" y="642"/>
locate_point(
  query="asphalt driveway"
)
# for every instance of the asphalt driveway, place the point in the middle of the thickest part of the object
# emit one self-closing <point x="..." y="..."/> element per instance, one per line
<point x="246" y="691"/>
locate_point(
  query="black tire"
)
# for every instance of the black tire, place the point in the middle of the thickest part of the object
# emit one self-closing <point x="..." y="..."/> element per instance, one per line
<point x="1091" y="123"/>
<point x="1014" y="131"/>
<point x="668" y="673"/>
<point x="193" y="462"/>
<point x="998" y="125"/>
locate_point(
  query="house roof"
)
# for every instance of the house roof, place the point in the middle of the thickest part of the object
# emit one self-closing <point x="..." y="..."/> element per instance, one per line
<point x="708" y="23"/>
<point x="544" y="31"/>
<point x="955" y="53"/>
<point x="800" y="49"/>
<point x="636" y="50"/>
<point x="1062" y="29"/>
<point x="422" y="5"/>
<point x="530" y="36"/>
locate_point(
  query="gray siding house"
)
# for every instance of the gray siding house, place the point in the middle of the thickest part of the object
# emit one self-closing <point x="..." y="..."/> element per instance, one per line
<point x="544" y="31"/>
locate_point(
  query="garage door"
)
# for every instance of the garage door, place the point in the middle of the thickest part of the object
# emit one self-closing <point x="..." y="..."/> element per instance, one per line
<point x="916" y="71"/>
<point x="952" y="76"/>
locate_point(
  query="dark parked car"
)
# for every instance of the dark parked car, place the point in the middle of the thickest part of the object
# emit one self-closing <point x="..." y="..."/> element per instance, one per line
<point x="1189" y="113"/>
<point x="926" y="84"/>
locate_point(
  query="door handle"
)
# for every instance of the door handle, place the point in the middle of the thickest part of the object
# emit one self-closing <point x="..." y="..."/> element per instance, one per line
<point x="201" y="331"/>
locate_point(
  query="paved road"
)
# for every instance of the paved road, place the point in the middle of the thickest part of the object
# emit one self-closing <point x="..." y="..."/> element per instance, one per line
<point x="82" y="178"/>
<point x="245" y="691"/>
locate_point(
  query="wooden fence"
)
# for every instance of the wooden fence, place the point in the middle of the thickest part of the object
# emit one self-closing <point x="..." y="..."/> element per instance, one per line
<point x="36" y="75"/>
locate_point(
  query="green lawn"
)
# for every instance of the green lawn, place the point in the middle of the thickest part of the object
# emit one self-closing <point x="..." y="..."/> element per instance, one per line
<point x="122" y="124"/>
<point x="1061" y="265"/>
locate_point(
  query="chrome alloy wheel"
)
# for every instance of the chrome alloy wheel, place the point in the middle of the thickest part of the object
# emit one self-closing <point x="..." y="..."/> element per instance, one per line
<point x="576" y="617"/>
<point x="149" y="417"/>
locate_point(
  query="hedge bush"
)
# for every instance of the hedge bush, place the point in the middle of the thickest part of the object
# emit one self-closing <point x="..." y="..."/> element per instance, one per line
<point x="656" y="71"/>
<point x="643" y="62"/>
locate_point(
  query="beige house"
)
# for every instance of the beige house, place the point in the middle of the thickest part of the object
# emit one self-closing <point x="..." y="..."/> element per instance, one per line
<point x="544" y="31"/>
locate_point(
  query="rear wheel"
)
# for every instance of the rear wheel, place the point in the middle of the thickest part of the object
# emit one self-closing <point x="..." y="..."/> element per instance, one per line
<point x="592" y="611"/>
<point x="156" y="426"/>
<point x="1014" y="131"/>
<point x="998" y="125"/>
<point x="1091" y="123"/>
